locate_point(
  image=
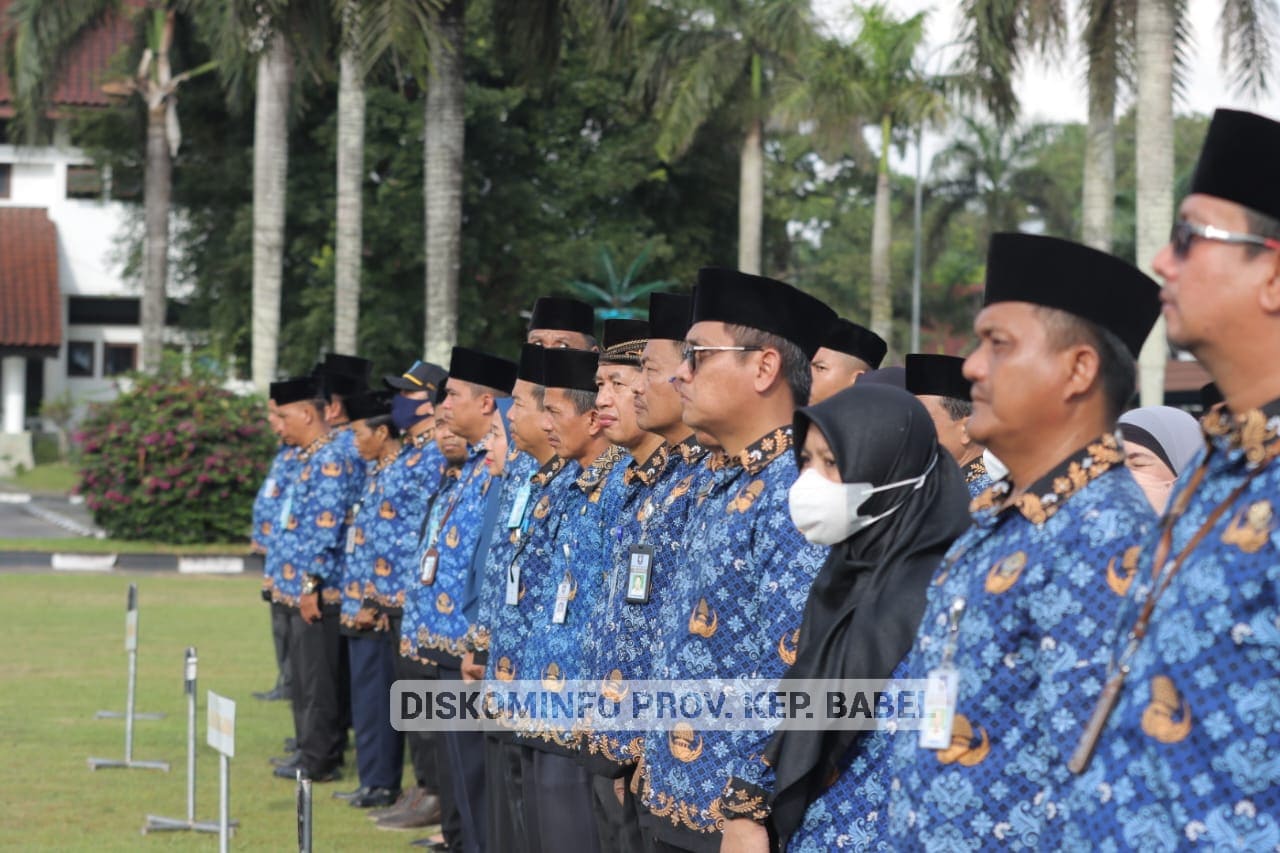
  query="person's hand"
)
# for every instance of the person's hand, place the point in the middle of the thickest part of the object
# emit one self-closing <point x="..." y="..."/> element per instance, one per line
<point x="620" y="789"/>
<point x="365" y="618"/>
<point x="309" y="607"/>
<point x="471" y="671"/>
<point x="744" y="836"/>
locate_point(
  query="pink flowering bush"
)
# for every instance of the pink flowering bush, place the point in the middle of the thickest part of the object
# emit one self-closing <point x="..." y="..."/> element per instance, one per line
<point x="177" y="459"/>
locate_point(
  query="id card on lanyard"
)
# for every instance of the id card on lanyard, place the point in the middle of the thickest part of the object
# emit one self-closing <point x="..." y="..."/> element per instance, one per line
<point x="942" y="689"/>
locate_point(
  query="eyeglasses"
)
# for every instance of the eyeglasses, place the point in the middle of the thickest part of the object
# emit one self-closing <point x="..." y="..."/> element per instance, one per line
<point x="689" y="353"/>
<point x="1183" y="232"/>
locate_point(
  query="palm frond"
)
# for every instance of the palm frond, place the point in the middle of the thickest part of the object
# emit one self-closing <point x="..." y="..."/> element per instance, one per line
<point x="1248" y="27"/>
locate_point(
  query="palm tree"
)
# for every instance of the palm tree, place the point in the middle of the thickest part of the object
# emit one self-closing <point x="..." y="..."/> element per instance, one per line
<point x="993" y="167"/>
<point x="616" y="297"/>
<point x="39" y="38"/>
<point x="875" y="81"/>
<point x="725" y="54"/>
<point x="349" y="196"/>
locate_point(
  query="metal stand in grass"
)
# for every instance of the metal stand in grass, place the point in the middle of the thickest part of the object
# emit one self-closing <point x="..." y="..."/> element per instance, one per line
<point x="131" y="648"/>
<point x="304" y="813"/>
<point x="167" y="824"/>
<point x="222" y="737"/>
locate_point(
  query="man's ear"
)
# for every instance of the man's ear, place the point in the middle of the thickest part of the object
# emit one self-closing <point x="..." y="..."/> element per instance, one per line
<point x="487" y="404"/>
<point x="1269" y="293"/>
<point x="768" y="370"/>
<point x="1085" y="367"/>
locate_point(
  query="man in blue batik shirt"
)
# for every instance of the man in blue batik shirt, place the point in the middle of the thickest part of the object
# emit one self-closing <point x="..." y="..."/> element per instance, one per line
<point x="740" y="598"/>
<point x="266" y="507"/>
<point x="939" y="384"/>
<point x="1019" y="609"/>
<point x="306" y="555"/>
<point x="1190" y="754"/>
<point x="458" y="521"/>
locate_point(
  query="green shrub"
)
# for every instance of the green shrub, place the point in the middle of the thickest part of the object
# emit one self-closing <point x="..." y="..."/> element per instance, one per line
<point x="176" y="459"/>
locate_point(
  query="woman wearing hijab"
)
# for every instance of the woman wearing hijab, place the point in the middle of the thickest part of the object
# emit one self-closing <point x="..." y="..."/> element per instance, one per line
<point x="1159" y="441"/>
<point x="872" y="486"/>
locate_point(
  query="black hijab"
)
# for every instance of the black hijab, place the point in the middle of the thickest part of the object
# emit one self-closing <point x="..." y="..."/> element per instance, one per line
<point x="868" y="599"/>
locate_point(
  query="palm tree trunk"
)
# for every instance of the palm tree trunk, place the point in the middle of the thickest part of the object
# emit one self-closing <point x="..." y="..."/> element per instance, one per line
<point x="157" y="191"/>
<point x="346" y="287"/>
<point x="881" y="299"/>
<point x="751" y="198"/>
<point x="270" y="170"/>
<point x="1098" y="201"/>
<point x="1154" y="145"/>
<point x="444" y="122"/>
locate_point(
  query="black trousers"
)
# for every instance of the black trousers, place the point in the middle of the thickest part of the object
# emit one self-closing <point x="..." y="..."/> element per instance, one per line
<point x="427" y="752"/>
<point x="504" y="801"/>
<point x="280" y="639"/>
<point x="558" y="809"/>
<point x="618" y="823"/>
<point x="379" y="747"/>
<point x="315" y="653"/>
<point x="464" y="751"/>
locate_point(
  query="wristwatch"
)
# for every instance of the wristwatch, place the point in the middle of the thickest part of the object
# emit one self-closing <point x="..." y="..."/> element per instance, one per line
<point x="311" y="584"/>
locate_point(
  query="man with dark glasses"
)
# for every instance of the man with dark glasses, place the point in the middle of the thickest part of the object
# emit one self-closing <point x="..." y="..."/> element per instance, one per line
<point x="1183" y="751"/>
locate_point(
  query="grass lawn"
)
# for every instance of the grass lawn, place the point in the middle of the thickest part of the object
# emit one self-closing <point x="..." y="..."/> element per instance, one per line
<point x="64" y="660"/>
<point x="89" y="545"/>
<point x="50" y="478"/>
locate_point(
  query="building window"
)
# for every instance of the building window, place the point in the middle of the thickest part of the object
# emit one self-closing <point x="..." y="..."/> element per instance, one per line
<point x="80" y="358"/>
<point x="84" y="182"/>
<point x="119" y="358"/>
<point x="126" y="183"/>
<point x="6" y="179"/>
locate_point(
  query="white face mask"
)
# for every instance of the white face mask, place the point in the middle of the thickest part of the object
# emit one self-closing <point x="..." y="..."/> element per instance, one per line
<point x="827" y="512"/>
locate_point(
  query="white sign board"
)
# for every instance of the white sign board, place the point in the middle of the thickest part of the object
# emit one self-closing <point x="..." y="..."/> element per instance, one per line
<point x="131" y="631"/>
<point x="222" y="724"/>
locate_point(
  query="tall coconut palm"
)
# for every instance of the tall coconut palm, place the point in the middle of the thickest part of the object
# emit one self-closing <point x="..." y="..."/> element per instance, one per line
<point x="349" y="200"/>
<point x="39" y="36"/>
<point x="725" y="55"/>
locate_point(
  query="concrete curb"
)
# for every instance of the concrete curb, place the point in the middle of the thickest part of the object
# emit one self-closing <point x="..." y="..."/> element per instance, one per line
<point x="199" y="564"/>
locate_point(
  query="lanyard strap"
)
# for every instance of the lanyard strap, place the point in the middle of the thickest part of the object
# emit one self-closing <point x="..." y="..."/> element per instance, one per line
<point x="1165" y="570"/>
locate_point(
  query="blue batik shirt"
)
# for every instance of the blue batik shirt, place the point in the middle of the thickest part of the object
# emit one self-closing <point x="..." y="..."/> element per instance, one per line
<point x="1039" y="579"/>
<point x="737" y="612"/>
<point x="659" y="493"/>
<point x="579" y="560"/>
<point x="311" y="526"/>
<point x="529" y="560"/>
<point x="454" y="527"/>
<point x="1190" y="756"/>
<point x="266" y="505"/>
<point x="976" y="478"/>
<point x="513" y="498"/>
<point x="382" y="536"/>
<point x="425" y="463"/>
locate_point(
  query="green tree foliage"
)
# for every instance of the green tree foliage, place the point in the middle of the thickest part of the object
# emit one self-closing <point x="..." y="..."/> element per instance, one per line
<point x="174" y="459"/>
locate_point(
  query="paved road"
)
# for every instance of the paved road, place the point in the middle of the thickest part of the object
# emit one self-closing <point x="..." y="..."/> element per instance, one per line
<point x="34" y="520"/>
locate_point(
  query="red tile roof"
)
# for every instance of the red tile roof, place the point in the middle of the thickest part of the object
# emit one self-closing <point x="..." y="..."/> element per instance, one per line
<point x="81" y="82"/>
<point x="30" y="304"/>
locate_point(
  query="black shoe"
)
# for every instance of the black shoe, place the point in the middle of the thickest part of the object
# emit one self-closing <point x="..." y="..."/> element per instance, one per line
<point x="332" y="775"/>
<point x="350" y="795"/>
<point x="275" y="694"/>
<point x="431" y="844"/>
<point x="288" y="771"/>
<point x="290" y="744"/>
<point x="281" y="760"/>
<point x="375" y="798"/>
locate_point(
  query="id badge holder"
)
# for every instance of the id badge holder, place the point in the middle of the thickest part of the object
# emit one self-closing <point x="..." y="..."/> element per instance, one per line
<point x="351" y="540"/>
<point x="562" y="603"/>
<point x="639" y="573"/>
<point x="940" y="694"/>
<point x="286" y="510"/>
<point x="427" y="567"/>
<point x="516" y="517"/>
<point x="513" y="585"/>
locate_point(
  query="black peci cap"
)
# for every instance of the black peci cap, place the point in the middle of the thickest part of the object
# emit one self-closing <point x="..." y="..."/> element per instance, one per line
<point x="371" y="404"/>
<point x="772" y="306"/>
<point x="336" y="364"/>
<point x="480" y="368"/>
<point x="1072" y="277"/>
<point x="1240" y="161"/>
<point x="292" y="390"/>
<point x="858" y="341"/>
<point x="669" y="315"/>
<point x="570" y="369"/>
<point x="937" y="375"/>
<point x="560" y="312"/>
<point x="531" y="361"/>
<point x="624" y="341"/>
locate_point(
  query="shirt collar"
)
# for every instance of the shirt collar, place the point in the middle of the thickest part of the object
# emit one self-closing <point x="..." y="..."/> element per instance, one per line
<point x="1254" y="435"/>
<point x="1047" y="495"/>
<point x="548" y="472"/>
<point x="305" y="453"/>
<point x="764" y="450"/>
<point x="645" y="473"/>
<point x="975" y="470"/>
<point x="690" y="450"/>
<point x="594" y="475"/>
<point x="424" y="438"/>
